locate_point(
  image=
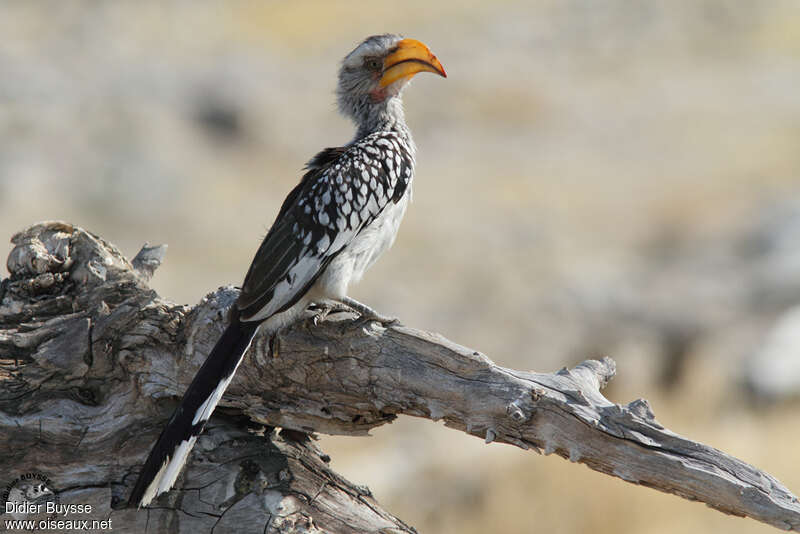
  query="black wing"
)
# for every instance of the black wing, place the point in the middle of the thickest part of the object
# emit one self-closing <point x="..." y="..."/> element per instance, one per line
<point x="344" y="190"/>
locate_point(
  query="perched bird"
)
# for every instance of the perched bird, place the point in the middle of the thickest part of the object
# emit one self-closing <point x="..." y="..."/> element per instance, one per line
<point x="331" y="228"/>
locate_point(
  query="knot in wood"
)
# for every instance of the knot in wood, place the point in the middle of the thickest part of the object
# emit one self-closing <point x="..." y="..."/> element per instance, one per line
<point x="516" y="412"/>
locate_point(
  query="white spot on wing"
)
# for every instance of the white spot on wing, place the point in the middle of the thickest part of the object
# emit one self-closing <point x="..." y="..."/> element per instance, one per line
<point x="323" y="243"/>
<point x="372" y="206"/>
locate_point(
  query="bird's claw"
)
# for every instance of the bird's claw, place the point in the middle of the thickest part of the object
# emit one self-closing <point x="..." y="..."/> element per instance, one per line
<point x="320" y="317"/>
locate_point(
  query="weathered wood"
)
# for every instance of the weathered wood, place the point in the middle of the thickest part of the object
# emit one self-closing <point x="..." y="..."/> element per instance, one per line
<point x="92" y="361"/>
<point x="89" y="360"/>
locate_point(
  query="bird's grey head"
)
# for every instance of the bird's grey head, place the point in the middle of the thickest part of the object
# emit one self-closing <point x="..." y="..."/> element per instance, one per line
<point x="373" y="75"/>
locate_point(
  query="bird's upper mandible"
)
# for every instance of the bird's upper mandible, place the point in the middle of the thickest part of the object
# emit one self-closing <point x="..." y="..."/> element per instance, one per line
<point x="407" y="58"/>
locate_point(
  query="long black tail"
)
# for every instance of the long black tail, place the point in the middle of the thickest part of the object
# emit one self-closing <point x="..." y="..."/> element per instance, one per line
<point x="177" y="439"/>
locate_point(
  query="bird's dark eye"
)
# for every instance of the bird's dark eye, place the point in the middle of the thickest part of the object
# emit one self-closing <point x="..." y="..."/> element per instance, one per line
<point x="373" y="63"/>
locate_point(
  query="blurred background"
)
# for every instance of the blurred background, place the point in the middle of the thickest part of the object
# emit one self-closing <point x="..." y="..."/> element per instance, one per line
<point x="594" y="178"/>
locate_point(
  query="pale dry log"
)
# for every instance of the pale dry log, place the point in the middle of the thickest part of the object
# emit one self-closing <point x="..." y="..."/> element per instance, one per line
<point x="85" y="350"/>
<point x="93" y="362"/>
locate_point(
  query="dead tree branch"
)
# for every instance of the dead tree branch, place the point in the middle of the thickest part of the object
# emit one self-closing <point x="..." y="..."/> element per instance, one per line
<point x="92" y="361"/>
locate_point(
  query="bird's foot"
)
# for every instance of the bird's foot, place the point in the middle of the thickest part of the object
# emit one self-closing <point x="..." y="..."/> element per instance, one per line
<point x="321" y="310"/>
<point x="368" y="313"/>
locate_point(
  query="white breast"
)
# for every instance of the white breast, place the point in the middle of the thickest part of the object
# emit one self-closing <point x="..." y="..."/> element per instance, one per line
<point x="351" y="264"/>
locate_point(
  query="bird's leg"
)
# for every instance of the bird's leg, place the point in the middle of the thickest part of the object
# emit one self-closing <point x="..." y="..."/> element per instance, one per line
<point x="368" y="313"/>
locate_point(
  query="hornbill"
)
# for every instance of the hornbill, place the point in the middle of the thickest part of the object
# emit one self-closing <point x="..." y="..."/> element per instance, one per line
<point x="332" y="227"/>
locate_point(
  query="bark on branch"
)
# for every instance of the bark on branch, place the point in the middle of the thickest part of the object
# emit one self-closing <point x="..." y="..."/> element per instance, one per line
<point x="92" y="361"/>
